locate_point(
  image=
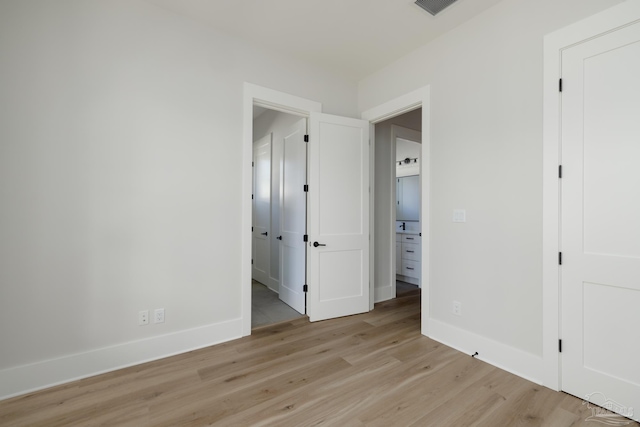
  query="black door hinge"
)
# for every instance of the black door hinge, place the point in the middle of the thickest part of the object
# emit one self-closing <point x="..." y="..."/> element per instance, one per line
<point x="306" y="138"/>
<point x="560" y="258"/>
<point x="251" y="261"/>
<point x="560" y="171"/>
<point x="305" y="238"/>
<point x="252" y="164"/>
<point x="560" y="85"/>
<point x="305" y="288"/>
<point x="559" y="346"/>
<point x="251" y="228"/>
<point x="252" y="197"/>
<point x="306" y="188"/>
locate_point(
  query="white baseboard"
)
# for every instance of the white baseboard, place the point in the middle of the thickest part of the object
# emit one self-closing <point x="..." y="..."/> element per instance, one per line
<point x="382" y="294"/>
<point x="36" y="376"/>
<point x="274" y="285"/>
<point x="518" y="362"/>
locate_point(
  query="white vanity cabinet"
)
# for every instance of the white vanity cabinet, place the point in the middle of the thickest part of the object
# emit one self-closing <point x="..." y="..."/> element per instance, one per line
<point x="408" y="257"/>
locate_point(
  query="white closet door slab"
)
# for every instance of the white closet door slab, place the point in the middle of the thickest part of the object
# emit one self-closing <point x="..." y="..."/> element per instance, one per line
<point x="600" y="272"/>
<point x="338" y="217"/>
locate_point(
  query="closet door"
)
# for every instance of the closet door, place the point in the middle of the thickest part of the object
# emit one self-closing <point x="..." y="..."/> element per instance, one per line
<point x="600" y="271"/>
<point x="338" y="217"/>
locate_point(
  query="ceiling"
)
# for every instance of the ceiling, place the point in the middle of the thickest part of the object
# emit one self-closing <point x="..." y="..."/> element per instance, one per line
<point x="353" y="38"/>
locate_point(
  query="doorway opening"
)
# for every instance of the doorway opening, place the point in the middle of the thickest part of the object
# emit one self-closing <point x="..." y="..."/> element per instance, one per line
<point x="349" y="262"/>
<point x="408" y="200"/>
<point x="398" y="153"/>
<point x="278" y="268"/>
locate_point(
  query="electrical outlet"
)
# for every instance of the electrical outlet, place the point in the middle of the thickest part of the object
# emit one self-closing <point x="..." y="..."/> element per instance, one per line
<point x="457" y="308"/>
<point x="158" y="315"/>
<point x="143" y="317"/>
<point x="459" y="215"/>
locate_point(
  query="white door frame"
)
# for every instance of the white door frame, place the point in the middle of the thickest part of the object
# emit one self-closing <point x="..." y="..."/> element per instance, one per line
<point x="554" y="43"/>
<point x="395" y="107"/>
<point x="273" y="100"/>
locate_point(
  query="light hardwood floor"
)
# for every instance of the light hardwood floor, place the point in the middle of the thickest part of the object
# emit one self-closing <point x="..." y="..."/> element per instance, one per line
<point x="373" y="369"/>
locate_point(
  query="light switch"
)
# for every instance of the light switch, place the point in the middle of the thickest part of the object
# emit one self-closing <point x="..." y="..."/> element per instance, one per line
<point x="459" y="215"/>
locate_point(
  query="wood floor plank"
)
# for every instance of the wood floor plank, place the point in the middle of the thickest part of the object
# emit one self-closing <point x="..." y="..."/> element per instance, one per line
<point x="312" y="404"/>
<point x="440" y="380"/>
<point x="245" y="399"/>
<point x="374" y="369"/>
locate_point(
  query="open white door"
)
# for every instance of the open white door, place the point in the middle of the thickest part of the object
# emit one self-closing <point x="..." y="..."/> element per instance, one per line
<point x="261" y="209"/>
<point x="338" y="217"/>
<point x="600" y="223"/>
<point x="293" y="207"/>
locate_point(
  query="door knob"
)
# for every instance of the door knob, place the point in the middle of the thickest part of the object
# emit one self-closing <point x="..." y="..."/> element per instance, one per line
<point x="279" y="238"/>
<point x="316" y="244"/>
<point x="265" y="233"/>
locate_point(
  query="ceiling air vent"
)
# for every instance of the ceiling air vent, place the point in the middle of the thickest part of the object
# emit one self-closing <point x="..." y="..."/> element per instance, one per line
<point x="434" y="6"/>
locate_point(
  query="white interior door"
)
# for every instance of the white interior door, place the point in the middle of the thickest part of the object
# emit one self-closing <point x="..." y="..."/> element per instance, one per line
<point x="600" y="272"/>
<point x="293" y="208"/>
<point x="261" y="209"/>
<point x="338" y="217"/>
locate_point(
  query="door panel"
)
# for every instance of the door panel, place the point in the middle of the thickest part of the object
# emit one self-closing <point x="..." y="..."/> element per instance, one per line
<point x="611" y="152"/>
<point x="622" y="363"/>
<point x="293" y="217"/>
<point x="600" y="220"/>
<point x="261" y="209"/>
<point x="340" y="152"/>
<point x="344" y="267"/>
<point x="338" y="217"/>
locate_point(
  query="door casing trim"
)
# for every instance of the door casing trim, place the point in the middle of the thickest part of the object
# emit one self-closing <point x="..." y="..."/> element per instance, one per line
<point x="280" y="101"/>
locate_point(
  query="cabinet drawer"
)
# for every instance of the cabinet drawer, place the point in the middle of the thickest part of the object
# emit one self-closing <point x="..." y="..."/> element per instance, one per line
<point x="411" y="251"/>
<point x="411" y="238"/>
<point x="411" y="268"/>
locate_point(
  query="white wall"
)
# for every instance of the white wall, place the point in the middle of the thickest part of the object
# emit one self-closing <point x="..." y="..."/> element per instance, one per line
<point x="385" y="172"/>
<point x="120" y="182"/>
<point x="486" y="157"/>
<point x="279" y="124"/>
